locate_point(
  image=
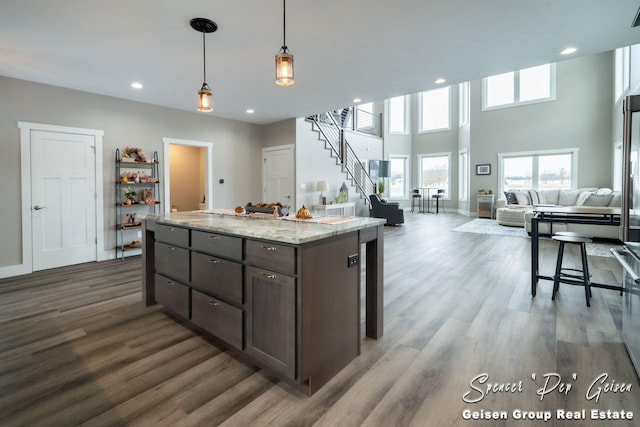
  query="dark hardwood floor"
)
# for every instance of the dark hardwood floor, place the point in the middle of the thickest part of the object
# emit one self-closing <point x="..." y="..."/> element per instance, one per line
<point x="77" y="347"/>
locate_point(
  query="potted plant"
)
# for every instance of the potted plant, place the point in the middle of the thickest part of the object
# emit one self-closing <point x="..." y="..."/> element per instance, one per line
<point x="129" y="195"/>
<point x="381" y="188"/>
<point x="481" y="191"/>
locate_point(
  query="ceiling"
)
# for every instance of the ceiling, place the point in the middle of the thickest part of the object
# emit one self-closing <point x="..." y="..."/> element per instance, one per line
<point x="371" y="49"/>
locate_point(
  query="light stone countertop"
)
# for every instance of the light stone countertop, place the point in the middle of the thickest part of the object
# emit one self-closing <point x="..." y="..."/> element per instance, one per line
<point x="262" y="227"/>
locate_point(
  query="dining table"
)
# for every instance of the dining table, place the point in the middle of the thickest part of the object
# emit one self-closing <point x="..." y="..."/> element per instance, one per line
<point x="552" y="214"/>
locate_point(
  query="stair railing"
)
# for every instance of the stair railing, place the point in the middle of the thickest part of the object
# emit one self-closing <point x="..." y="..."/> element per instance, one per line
<point x="333" y="134"/>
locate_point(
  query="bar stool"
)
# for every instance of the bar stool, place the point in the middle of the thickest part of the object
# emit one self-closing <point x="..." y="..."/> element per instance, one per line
<point x="416" y="197"/>
<point x="439" y="195"/>
<point x="562" y="275"/>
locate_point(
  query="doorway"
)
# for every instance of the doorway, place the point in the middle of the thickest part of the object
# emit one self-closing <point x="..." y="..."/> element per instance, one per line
<point x="188" y="174"/>
<point x="62" y="208"/>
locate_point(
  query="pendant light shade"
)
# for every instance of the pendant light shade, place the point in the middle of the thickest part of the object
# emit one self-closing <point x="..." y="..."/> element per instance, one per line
<point x="205" y="96"/>
<point x="284" y="58"/>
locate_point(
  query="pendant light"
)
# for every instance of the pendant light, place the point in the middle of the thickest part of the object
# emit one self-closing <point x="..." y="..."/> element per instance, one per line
<point x="204" y="25"/>
<point x="284" y="58"/>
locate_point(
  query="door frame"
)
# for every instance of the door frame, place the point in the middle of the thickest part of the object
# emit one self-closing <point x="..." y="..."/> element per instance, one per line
<point x="26" y="266"/>
<point x="292" y="148"/>
<point x="208" y="185"/>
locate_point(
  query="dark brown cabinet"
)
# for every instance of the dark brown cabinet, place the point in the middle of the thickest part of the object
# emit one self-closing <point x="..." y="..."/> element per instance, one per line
<point x="217" y="276"/>
<point x="173" y="295"/>
<point x="172" y="261"/>
<point x="217" y="317"/>
<point x="271" y="320"/>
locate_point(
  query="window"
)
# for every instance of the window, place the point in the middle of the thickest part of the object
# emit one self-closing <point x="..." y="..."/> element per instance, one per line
<point x="551" y="169"/>
<point x="397" y="115"/>
<point x="434" y="110"/>
<point x="621" y="72"/>
<point x="463" y="105"/>
<point x="398" y="181"/>
<point x="535" y="84"/>
<point x="463" y="174"/>
<point x="435" y="170"/>
<point x="617" y="166"/>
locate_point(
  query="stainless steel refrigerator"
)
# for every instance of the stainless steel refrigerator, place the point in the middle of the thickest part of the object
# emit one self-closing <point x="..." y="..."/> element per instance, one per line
<point x="630" y="228"/>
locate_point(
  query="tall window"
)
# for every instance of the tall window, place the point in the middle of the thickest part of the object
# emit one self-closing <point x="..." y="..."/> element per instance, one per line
<point x="435" y="110"/>
<point x="463" y="174"/>
<point x="621" y="72"/>
<point x="397" y="115"/>
<point x="535" y="84"/>
<point x="435" y="171"/>
<point x="463" y="104"/>
<point x="398" y="182"/>
<point x="550" y="169"/>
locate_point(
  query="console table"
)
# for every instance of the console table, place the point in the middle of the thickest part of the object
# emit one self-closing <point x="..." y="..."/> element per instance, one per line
<point x="284" y="294"/>
<point x="567" y="215"/>
<point x="334" y="206"/>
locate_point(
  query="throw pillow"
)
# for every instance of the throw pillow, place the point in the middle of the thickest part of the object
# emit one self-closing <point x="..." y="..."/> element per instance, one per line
<point x="603" y="191"/>
<point x="511" y="198"/>
<point x="598" y="200"/>
<point x="523" y="197"/>
<point x="568" y="197"/>
<point x="616" y="200"/>
<point x="537" y="197"/>
<point x="583" y="197"/>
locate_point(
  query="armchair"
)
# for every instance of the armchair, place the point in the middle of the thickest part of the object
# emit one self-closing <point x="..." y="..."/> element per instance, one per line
<point x="389" y="211"/>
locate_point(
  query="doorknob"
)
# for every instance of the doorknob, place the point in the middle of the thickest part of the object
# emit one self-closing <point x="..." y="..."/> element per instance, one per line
<point x="37" y="208"/>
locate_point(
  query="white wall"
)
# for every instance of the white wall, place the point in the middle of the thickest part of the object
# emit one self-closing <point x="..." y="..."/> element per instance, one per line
<point x="237" y="146"/>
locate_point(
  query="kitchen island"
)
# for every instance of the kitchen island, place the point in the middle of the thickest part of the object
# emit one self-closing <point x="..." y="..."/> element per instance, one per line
<point x="283" y="294"/>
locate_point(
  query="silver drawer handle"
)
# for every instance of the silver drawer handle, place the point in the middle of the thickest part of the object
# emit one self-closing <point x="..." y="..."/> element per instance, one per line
<point x="171" y="229"/>
<point x="171" y="248"/>
<point x="270" y="276"/>
<point x="213" y="303"/>
<point x="214" y="237"/>
<point x="171" y="283"/>
<point x="214" y="261"/>
<point x="268" y="248"/>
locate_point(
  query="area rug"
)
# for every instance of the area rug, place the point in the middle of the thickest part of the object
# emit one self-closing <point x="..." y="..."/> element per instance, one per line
<point x="491" y="226"/>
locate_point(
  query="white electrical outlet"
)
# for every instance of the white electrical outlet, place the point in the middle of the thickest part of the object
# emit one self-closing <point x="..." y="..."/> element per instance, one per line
<point x="139" y="234"/>
<point x="303" y="186"/>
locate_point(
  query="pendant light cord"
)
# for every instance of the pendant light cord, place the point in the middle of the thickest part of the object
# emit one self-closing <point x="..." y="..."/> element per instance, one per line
<point x="284" y="24"/>
<point x="204" y="57"/>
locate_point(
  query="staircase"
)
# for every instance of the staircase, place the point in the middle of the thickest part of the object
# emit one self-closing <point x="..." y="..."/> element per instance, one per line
<point x="330" y="131"/>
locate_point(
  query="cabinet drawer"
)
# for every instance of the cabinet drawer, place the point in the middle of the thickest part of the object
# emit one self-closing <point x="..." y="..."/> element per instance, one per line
<point x="172" y="261"/>
<point x="217" y="276"/>
<point x="272" y="256"/>
<point x="173" y="295"/>
<point x="217" y="244"/>
<point x="220" y="319"/>
<point x="173" y="235"/>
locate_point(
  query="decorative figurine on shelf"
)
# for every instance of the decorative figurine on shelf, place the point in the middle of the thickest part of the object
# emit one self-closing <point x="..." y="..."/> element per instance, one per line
<point x="129" y="195"/>
<point x="133" y="153"/>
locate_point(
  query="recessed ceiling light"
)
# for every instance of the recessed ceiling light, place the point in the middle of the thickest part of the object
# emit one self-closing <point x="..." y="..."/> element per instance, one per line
<point x="250" y="111"/>
<point x="136" y="85"/>
<point x="439" y="81"/>
<point x="568" y="51"/>
<point x="356" y="100"/>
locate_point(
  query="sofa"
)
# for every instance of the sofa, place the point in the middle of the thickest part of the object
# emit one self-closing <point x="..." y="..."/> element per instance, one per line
<point x="386" y="210"/>
<point x="516" y="209"/>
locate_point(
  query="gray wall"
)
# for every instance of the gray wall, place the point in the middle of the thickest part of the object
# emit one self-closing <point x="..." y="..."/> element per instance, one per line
<point x="125" y="123"/>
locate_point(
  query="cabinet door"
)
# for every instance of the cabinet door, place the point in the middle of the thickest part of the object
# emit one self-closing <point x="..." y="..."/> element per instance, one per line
<point x="270" y="326"/>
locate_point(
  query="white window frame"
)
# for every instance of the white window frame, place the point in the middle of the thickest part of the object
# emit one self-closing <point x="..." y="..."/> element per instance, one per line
<point x="406" y="180"/>
<point x="463" y="174"/>
<point x="405" y="116"/>
<point x="574" y="164"/>
<point x="420" y="106"/>
<point x="516" y="93"/>
<point x="617" y="166"/>
<point x="464" y="104"/>
<point x="621" y="73"/>
<point x="447" y="193"/>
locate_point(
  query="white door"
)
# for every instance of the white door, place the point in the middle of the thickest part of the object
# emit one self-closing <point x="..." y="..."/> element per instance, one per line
<point x="63" y="199"/>
<point x="277" y="175"/>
